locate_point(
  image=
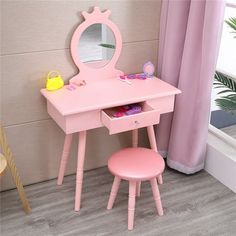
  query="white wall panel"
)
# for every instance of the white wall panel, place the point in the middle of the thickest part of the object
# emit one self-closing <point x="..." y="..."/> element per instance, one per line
<point x="30" y="25"/>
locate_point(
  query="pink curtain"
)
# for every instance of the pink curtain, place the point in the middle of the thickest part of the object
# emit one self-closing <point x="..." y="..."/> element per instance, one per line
<point x="188" y="48"/>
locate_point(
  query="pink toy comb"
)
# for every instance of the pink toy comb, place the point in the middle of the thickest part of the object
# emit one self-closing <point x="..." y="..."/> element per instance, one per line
<point x="124" y="79"/>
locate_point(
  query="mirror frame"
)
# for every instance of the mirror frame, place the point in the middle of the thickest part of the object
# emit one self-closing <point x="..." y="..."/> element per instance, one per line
<point x="108" y="70"/>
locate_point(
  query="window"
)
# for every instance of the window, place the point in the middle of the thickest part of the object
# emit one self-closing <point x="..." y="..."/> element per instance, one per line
<point x="226" y="121"/>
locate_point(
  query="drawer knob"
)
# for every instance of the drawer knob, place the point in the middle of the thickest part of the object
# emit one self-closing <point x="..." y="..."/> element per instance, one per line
<point x="136" y="122"/>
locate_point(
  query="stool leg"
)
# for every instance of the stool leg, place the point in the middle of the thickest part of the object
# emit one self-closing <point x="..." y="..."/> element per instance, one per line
<point x="114" y="190"/>
<point x="135" y="144"/>
<point x="160" y="179"/>
<point x="157" y="197"/>
<point x="80" y="169"/>
<point x="64" y="158"/>
<point x="153" y="144"/>
<point x="138" y="188"/>
<point x="131" y="204"/>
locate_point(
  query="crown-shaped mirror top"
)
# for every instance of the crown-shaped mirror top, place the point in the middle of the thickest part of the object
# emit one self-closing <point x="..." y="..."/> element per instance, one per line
<point x="96" y="13"/>
<point x="95" y="47"/>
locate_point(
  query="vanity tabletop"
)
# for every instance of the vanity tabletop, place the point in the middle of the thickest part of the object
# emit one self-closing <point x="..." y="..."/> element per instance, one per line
<point x="107" y="93"/>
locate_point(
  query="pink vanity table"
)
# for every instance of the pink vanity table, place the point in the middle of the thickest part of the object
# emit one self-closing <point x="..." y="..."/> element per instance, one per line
<point x="88" y="106"/>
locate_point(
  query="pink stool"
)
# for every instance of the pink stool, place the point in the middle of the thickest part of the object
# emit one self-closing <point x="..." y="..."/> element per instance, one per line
<point x="135" y="165"/>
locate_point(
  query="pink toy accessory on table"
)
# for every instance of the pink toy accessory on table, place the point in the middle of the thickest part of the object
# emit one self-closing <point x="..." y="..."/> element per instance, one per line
<point x="148" y="69"/>
<point x="124" y="79"/>
<point x="74" y="85"/>
<point x="70" y="87"/>
<point x="78" y="84"/>
<point x="136" y="76"/>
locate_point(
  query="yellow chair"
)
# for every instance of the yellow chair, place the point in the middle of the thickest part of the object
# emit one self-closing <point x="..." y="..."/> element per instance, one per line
<point x="6" y="160"/>
<point x="3" y="163"/>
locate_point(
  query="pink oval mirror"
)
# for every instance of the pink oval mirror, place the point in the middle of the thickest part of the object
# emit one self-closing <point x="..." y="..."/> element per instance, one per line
<point x="95" y="47"/>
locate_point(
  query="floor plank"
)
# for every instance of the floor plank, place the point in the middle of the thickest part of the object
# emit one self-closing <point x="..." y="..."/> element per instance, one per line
<point x="193" y="205"/>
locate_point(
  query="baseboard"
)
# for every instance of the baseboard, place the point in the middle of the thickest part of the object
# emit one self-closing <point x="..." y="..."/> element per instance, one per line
<point x="221" y="157"/>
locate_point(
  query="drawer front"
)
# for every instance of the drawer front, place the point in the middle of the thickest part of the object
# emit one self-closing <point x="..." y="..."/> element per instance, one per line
<point x="83" y="121"/>
<point x="165" y="104"/>
<point x="77" y="122"/>
<point x="131" y="122"/>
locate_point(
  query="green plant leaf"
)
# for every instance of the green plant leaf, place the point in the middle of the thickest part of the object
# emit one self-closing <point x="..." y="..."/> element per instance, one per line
<point x="220" y="86"/>
<point x="225" y="80"/>
<point x="224" y="91"/>
<point x="228" y="84"/>
<point x="231" y="22"/>
<point x="216" y="82"/>
<point x="231" y="97"/>
<point x="226" y="104"/>
<point x="105" y="45"/>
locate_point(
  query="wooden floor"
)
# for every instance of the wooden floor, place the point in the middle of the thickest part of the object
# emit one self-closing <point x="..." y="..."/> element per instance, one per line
<point x="193" y="205"/>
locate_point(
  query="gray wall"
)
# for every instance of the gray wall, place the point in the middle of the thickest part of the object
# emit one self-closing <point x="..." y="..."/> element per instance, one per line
<point x="35" y="38"/>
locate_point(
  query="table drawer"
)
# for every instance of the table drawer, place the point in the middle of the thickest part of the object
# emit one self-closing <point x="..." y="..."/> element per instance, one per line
<point x="147" y="117"/>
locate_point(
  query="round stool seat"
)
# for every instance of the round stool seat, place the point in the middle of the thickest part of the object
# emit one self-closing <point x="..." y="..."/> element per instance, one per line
<point x="136" y="164"/>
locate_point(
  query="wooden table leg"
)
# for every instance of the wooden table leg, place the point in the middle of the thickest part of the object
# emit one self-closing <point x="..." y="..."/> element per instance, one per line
<point x="80" y="169"/>
<point x="64" y="157"/>
<point x="135" y="144"/>
<point x="152" y="138"/>
<point x="153" y="144"/>
<point x="135" y="138"/>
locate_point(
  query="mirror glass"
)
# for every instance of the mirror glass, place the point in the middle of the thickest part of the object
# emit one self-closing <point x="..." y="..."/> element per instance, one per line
<point x="97" y="45"/>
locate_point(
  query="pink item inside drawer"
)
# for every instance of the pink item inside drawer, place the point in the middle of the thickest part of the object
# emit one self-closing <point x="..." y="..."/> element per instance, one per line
<point x="148" y="116"/>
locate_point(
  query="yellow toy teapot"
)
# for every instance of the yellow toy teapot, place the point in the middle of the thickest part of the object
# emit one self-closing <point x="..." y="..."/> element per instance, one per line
<point x="54" y="81"/>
